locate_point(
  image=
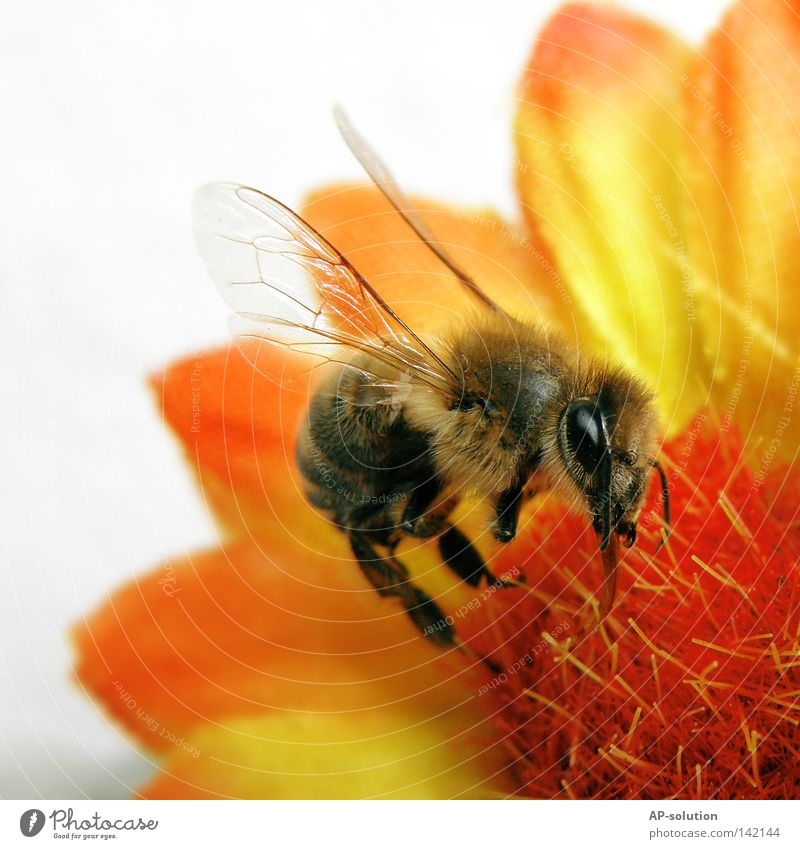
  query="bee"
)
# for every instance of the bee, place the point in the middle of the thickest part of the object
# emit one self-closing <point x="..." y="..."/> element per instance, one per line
<point x="402" y="427"/>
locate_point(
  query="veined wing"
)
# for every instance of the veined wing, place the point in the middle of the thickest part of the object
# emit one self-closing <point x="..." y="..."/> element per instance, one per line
<point x="288" y="285"/>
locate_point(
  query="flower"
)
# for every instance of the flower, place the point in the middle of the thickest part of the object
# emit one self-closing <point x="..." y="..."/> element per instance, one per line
<point x="658" y="188"/>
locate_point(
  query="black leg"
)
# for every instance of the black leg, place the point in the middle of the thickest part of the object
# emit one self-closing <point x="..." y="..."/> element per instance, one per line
<point x="419" y="501"/>
<point x="507" y="514"/>
<point x="390" y="578"/>
<point x="462" y="557"/>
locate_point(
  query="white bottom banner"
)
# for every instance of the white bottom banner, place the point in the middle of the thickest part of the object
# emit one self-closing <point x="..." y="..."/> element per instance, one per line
<point x="489" y="825"/>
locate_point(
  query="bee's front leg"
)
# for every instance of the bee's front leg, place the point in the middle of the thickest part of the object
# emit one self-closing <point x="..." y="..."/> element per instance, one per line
<point x="506" y="514"/>
<point x="424" y="516"/>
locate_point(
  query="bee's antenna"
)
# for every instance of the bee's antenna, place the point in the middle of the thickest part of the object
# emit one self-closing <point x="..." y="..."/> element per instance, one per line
<point x="664" y="500"/>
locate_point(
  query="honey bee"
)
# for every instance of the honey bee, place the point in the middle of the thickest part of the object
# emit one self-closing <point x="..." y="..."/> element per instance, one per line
<point x="402" y="427"/>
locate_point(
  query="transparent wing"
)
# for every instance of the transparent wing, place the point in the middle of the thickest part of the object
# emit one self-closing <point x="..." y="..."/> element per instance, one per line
<point x="383" y="179"/>
<point x="288" y="285"/>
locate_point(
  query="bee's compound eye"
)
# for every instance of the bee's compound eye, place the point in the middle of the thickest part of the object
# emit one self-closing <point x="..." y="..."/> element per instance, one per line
<point x="585" y="435"/>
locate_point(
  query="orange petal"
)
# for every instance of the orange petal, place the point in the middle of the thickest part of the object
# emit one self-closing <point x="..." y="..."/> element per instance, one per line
<point x="241" y="631"/>
<point x="391" y="752"/>
<point x="511" y="268"/>
<point x="743" y="96"/>
<point x="238" y="428"/>
<point x="600" y="140"/>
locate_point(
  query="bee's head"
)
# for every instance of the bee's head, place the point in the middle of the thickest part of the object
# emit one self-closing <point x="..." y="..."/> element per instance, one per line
<point x="607" y="440"/>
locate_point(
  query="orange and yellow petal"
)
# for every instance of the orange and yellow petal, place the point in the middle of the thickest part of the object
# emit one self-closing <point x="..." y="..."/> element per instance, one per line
<point x="388" y="752"/>
<point x="237" y="425"/>
<point x="742" y="94"/>
<point x="262" y="675"/>
<point x="600" y="140"/>
<point x="504" y="261"/>
<point x="243" y="631"/>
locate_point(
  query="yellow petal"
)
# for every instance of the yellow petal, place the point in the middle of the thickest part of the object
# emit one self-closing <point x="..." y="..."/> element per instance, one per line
<point x="381" y="753"/>
<point x="743" y="96"/>
<point x="600" y="141"/>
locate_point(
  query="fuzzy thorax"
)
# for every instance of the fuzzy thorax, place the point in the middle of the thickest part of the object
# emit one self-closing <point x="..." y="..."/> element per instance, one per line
<point x="501" y="423"/>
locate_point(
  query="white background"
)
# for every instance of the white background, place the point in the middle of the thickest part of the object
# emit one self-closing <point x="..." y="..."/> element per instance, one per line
<point x="111" y="115"/>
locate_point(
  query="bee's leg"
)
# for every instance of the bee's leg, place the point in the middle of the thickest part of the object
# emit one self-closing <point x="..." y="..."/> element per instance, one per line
<point x="390" y="578"/>
<point x="421" y="518"/>
<point x="463" y="558"/>
<point x="507" y="514"/>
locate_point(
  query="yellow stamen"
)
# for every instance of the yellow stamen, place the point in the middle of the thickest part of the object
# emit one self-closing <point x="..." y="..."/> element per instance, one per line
<point x="670" y="581"/>
<point x="767" y="636"/>
<point x="708" y="609"/>
<point x="733" y="516"/>
<point x="604" y="634"/>
<point x="783" y="716"/>
<point x="752" y="745"/>
<point x="632" y="693"/>
<point x="725" y="578"/>
<point x="566" y="788"/>
<point x="700" y="689"/>
<point x="584" y="668"/>
<point x="538" y="697"/>
<point x="604" y="754"/>
<point x="656" y="676"/>
<point x="705" y="682"/>
<point x="709" y="668"/>
<point x="777" y="658"/>
<point x="723" y="650"/>
<point x="636" y="716"/>
<point x="668" y="547"/>
<point x="654" y="648"/>
<point x="661" y="718"/>
<point x="631" y="759"/>
<point x="783" y="703"/>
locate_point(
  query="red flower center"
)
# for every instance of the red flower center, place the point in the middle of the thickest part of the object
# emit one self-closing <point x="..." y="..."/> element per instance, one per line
<point x="691" y="687"/>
